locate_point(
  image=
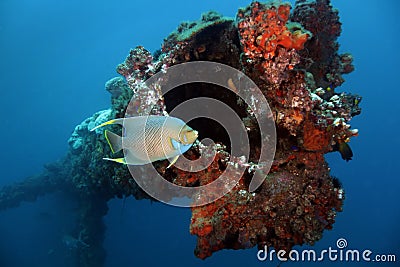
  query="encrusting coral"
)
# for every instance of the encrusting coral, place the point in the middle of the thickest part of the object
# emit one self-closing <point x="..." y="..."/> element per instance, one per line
<point x="269" y="41"/>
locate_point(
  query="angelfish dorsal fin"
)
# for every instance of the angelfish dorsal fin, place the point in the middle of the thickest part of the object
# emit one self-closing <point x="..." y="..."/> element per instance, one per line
<point x="114" y="121"/>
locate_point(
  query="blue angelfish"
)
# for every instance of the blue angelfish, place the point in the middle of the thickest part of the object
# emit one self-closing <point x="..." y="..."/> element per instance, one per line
<point x="150" y="138"/>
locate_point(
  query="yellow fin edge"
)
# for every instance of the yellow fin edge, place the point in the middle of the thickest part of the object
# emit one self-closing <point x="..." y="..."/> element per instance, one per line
<point x="103" y="124"/>
<point x="108" y="141"/>
<point x="172" y="162"/>
<point x="119" y="160"/>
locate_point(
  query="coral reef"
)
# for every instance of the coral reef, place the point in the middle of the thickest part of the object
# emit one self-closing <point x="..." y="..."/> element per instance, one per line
<point x="212" y="38"/>
<point x="299" y="199"/>
<point x="320" y="56"/>
<point x="269" y="41"/>
<point x="121" y="94"/>
<point x="290" y="209"/>
<point x="293" y="59"/>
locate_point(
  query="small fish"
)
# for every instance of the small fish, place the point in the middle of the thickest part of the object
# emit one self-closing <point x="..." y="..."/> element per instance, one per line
<point x="150" y="138"/>
<point x="344" y="150"/>
<point x="356" y="100"/>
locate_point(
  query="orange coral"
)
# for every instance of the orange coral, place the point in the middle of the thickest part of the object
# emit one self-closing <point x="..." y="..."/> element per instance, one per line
<point x="203" y="231"/>
<point x="296" y="116"/>
<point x="314" y="139"/>
<point x="299" y="38"/>
<point x="265" y="29"/>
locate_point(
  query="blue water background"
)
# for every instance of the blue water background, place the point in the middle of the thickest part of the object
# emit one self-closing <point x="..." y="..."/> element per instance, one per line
<point x="55" y="57"/>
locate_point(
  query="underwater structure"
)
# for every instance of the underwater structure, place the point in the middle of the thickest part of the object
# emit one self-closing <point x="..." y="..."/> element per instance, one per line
<point x="292" y="56"/>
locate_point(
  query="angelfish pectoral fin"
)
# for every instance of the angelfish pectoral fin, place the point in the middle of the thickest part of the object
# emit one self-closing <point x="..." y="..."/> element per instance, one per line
<point x="173" y="161"/>
<point x="119" y="160"/>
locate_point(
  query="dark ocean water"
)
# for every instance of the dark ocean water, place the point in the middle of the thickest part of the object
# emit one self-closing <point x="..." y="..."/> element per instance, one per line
<point x="55" y="57"/>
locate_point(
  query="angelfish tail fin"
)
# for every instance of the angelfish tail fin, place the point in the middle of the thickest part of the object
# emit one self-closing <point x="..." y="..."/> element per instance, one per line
<point x="114" y="141"/>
